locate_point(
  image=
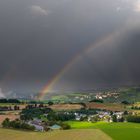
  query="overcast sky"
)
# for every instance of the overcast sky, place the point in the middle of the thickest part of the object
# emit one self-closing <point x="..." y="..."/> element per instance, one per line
<point x="39" y="37"/>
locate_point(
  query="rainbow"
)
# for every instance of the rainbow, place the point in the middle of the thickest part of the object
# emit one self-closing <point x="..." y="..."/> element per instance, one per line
<point x="48" y="87"/>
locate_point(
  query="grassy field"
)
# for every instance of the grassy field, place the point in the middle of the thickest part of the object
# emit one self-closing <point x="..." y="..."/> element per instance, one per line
<point x="82" y="134"/>
<point x="80" y="131"/>
<point x="118" y="131"/>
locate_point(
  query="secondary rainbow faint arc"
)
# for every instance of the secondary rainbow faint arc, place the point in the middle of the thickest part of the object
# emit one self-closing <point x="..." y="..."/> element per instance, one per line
<point x="47" y="88"/>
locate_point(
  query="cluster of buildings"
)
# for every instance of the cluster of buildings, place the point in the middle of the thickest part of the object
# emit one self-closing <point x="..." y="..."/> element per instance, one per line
<point x="106" y="95"/>
<point x="40" y="126"/>
<point x="99" y="95"/>
<point x="100" y="116"/>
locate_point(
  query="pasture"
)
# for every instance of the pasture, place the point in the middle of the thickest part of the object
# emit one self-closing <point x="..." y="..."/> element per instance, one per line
<point x="82" y="134"/>
<point x="117" y="131"/>
<point x="80" y="131"/>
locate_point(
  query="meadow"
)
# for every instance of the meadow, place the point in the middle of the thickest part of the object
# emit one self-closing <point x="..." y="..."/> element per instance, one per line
<point x="117" y="131"/>
<point x="82" y="134"/>
<point x="79" y="131"/>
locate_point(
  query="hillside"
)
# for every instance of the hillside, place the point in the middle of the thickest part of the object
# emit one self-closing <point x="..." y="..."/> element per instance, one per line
<point x="117" y="95"/>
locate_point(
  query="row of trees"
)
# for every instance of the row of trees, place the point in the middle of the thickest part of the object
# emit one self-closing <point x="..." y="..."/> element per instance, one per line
<point x="17" y="124"/>
<point x="9" y="108"/>
<point x="135" y="107"/>
<point x="135" y="119"/>
<point x="9" y="101"/>
<point x="97" y="101"/>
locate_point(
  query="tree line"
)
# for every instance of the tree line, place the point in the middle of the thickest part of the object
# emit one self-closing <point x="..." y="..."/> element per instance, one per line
<point x="17" y="124"/>
<point x="9" y="100"/>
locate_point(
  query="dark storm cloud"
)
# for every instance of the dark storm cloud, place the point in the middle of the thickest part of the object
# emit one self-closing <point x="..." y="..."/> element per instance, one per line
<point x="112" y="64"/>
<point x="38" y="38"/>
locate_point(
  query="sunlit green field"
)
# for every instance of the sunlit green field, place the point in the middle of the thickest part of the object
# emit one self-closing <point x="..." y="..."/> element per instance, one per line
<point x="75" y="134"/>
<point x="79" y="131"/>
<point x="118" y="131"/>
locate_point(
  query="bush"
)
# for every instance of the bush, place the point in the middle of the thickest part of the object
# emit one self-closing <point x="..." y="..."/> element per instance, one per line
<point x="125" y="113"/>
<point x="135" y="119"/>
<point x="65" y="126"/>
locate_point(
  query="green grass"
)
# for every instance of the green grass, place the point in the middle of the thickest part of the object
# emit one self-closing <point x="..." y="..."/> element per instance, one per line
<point x="118" y="131"/>
<point x="80" y="131"/>
<point x="82" y="134"/>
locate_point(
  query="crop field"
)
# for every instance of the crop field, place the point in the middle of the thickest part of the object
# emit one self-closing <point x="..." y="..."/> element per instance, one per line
<point x="117" y="131"/>
<point x="107" y="106"/>
<point x="66" y="106"/>
<point x="82" y="134"/>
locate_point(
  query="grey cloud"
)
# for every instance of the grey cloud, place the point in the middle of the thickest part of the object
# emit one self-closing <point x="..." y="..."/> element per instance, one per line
<point x="33" y="50"/>
<point x="37" y="10"/>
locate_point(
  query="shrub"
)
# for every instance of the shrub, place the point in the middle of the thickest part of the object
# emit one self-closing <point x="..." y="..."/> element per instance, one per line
<point x="135" y="119"/>
<point x="65" y="126"/>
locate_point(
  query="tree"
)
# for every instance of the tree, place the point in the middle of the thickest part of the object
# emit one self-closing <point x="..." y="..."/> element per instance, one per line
<point x="121" y="119"/>
<point x="114" y="118"/>
<point x="6" y="123"/>
<point x="41" y="105"/>
<point x="50" y="103"/>
<point x="95" y="118"/>
<point x="16" y="107"/>
<point x="125" y="113"/>
<point x="111" y="113"/>
<point x="3" y="101"/>
<point x="125" y="102"/>
<point x="65" y="126"/>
